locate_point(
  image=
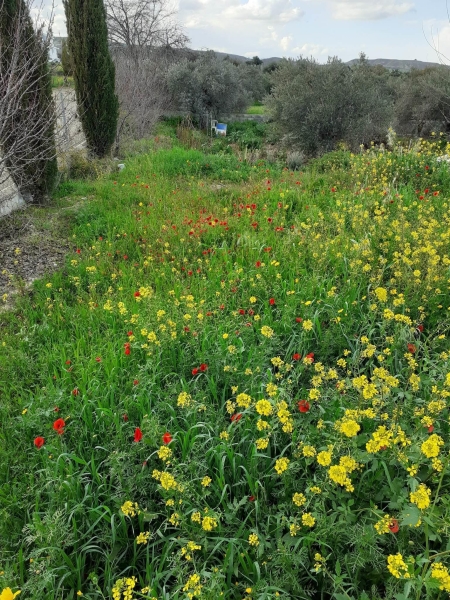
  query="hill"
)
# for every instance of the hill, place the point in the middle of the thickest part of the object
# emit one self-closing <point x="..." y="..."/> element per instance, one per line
<point x="399" y="65"/>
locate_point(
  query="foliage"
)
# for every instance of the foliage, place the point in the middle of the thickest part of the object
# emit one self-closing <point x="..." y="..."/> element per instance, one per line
<point x="208" y="85"/>
<point x="66" y="60"/>
<point x="238" y="387"/>
<point x="247" y="134"/>
<point x="423" y="102"/>
<point x="93" y="72"/>
<point x="315" y="107"/>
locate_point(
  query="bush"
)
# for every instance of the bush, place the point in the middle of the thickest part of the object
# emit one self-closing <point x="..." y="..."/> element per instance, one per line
<point x="315" y="107"/>
<point x="208" y="86"/>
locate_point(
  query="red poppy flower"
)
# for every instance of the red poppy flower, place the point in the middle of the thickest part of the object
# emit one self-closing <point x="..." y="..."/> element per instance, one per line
<point x="59" y="425"/>
<point x="258" y="264"/>
<point x="125" y="418"/>
<point x="303" y="406"/>
<point x="39" y="442"/>
<point x="272" y="301"/>
<point x="137" y="435"/>
<point x="298" y="319"/>
<point x="236" y="417"/>
<point x="251" y="312"/>
<point x="412" y="348"/>
<point x="68" y="362"/>
<point x="194" y="371"/>
<point x="268" y="249"/>
<point x="420" y="328"/>
<point x="137" y="294"/>
<point x="251" y="498"/>
<point x="430" y="428"/>
<point x="296" y="356"/>
<point x="241" y="311"/>
<point x="167" y="438"/>
<point x="129" y="333"/>
<point x="310" y="357"/>
<point x="393" y="526"/>
<point x="135" y="381"/>
<point x="98" y="359"/>
<point x="435" y="193"/>
<point x="203" y="367"/>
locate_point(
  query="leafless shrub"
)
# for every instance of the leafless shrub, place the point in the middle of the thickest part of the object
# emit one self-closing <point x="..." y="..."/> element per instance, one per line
<point x="24" y="153"/>
<point x="143" y="97"/>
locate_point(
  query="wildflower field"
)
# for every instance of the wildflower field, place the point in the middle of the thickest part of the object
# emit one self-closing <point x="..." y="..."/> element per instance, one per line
<point x="238" y="387"/>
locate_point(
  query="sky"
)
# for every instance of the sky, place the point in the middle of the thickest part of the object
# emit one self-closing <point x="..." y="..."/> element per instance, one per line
<point x="402" y="29"/>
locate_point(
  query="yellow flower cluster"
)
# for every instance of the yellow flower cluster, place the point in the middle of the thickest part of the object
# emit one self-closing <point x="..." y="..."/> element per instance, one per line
<point x="130" y="509"/>
<point x="440" y="572"/>
<point x="193" y="587"/>
<point x="397" y="566"/>
<point x="187" y="550"/>
<point x="281" y="465"/>
<point x="184" y="400"/>
<point x="421" y="497"/>
<point x="123" y="588"/>
<point x="253" y="540"/>
<point x="432" y="446"/>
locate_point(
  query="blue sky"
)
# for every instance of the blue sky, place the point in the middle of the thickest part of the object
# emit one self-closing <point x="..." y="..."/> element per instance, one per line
<point x="381" y="28"/>
<point x="402" y="29"/>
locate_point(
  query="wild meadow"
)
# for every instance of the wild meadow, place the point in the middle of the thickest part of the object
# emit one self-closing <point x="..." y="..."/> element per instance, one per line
<point x="238" y="386"/>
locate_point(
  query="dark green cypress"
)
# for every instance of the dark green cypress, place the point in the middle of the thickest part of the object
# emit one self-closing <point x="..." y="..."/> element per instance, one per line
<point x="93" y="72"/>
<point x="29" y="141"/>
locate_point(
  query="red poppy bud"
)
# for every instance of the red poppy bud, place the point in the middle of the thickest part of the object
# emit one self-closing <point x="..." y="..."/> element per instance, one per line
<point x="241" y="311"/>
<point x="137" y="435"/>
<point x="98" y="359"/>
<point x="258" y="264"/>
<point x="194" y="371"/>
<point x="298" y="319"/>
<point x="203" y="367"/>
<point x="296" y="356"/>
<point x="167" y="438"/>
<point x="420" y="328"/>
<point x="75" y="392"/>
<point x="137" y="294"/>
<point x="125" y="418"/>
<point x="68" y="362"/>
<point x="412" y="348"/>
<point x="236" y="417"/>
<point x="430" y="429"/>
<point x="393" y="526"/>
<point x="272" y="301"/>
<point x="310" y="357"/>
<point x="303" y="406"/>
<point x="39" y="442"/>
<point x="251" y="498"/>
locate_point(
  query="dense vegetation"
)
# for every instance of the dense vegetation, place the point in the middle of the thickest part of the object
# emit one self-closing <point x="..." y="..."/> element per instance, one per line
<point x="238" y="387"/>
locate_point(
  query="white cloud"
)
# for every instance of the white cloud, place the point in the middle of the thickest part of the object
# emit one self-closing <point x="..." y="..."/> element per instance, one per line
<point x="366" y="10"/>
<point x="282" y="11"/>
<point x="285" y="42"/>
<point x="310" y="50"/>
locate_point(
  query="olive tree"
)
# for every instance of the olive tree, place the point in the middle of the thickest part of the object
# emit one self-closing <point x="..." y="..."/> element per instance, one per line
<point x="208" y="85"/>
<point x="315" y="106"/>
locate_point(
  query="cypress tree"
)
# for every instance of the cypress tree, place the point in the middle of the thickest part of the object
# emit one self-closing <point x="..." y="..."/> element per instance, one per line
<point x="29" y="128"/>
<point x="93" y="72"/>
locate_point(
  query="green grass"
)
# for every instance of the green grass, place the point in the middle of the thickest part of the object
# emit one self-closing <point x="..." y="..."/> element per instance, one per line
<point x="199" y="285"/>
<point x="256" y="110"/>
<point x="59" y="81"/>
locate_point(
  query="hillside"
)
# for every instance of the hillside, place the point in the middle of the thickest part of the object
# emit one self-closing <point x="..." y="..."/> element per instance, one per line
<point x="399" y="65"/>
